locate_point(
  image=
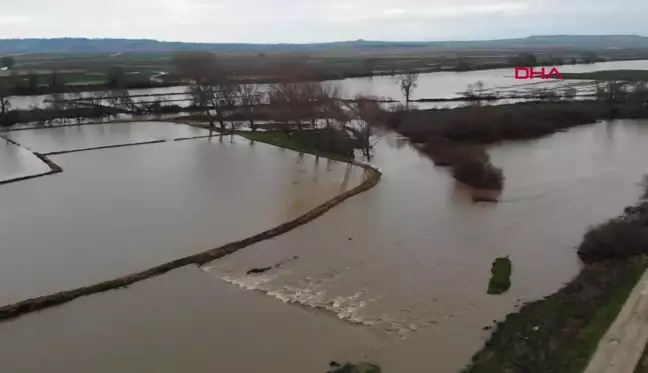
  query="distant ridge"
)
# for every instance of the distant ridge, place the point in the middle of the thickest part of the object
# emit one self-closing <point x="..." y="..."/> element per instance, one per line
<point x="75" y="45"/>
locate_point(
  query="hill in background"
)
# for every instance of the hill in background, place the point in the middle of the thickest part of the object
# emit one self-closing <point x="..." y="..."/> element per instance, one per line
<point x="76" y="45"/>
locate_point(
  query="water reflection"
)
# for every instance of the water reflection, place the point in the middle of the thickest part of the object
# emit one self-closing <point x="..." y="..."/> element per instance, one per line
<point x="17" y="162"/>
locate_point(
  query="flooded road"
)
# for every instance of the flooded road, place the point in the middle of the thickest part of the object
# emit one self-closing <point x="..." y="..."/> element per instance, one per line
<point x="396" y="275"/>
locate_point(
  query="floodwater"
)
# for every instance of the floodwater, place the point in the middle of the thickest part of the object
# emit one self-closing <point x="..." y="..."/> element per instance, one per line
<point x="67" y="138"/>
<point x="116" y="211"/>
<point x="182" y="321"/>
<point x="411" y="258"/>
<point x="430" y="85"/>
<point x="453" y="84"/>
<point x="396" y="275"/>
<point x="17" y="162"/>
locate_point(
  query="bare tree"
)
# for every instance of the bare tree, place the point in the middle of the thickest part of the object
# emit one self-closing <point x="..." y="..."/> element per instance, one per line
<point x="74" y="101"/>
<point x="5" y="105"/>
<point x="285" y="102"/>
<point x="119" y="99"/>
<point x="250" y="96"/>
<point x="611" y="91"/>
<point x="365" y="114"/>
<point x="56" y="103"/>
<point x="210" y="85"/>
<point x="408" y="83"/>
<point x="297" y="95"/>
<point x="310" y="97"/>
<point x="474" y="92"/>
<point x="639" y="93"/>
<point x="96" y="100"/>
<point x="331" y="109"/>
<point x="569" y="93"/>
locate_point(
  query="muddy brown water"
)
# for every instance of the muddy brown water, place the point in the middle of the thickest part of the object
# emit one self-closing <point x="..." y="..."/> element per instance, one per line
<point x="397" y="275"/>
<point x="68" y="138"/>
<point x="411" y="258"/>
<point x="116" y="211"/>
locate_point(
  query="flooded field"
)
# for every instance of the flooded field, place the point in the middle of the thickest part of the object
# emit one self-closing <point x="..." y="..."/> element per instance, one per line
<point x="57" y="139"/>
<point x="17" y="162"/>
<point x="430" y="85"/>
<point x="396" y="275"/>
<point x="116" y="211"/>
<point x="411" y="258"/>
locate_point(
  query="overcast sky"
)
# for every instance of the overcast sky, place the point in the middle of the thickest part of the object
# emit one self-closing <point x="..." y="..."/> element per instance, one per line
<point x="318" y="20"/>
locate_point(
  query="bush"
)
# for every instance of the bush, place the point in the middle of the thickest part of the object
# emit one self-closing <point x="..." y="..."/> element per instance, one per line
<point x="500" y="280"/>
<point x="470" y="164"/>
<point x="482" y="175"/>
<point x="488" y="124"/>
<point x="354" y="368"/>
<point x="617" y="238"/>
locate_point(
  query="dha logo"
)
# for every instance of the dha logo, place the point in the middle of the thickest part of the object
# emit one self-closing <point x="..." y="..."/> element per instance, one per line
<point x="522" y="73"/>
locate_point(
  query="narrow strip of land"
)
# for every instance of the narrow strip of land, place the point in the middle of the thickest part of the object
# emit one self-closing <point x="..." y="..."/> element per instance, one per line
<point x="54" y="168"/>
<point x="105" y="147"/>
<point x="622" y="346"/>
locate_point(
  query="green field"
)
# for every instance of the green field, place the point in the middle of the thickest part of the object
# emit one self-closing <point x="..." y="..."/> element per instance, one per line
<point x="94" y="68"/>
<point x="85" y="69"/>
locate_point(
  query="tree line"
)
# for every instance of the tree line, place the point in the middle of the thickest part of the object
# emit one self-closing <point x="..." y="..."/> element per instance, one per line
<point x="297" y="103"/>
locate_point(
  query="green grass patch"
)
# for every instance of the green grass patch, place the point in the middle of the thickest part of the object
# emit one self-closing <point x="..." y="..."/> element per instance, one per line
<point x="301" y="143"/>
<point x="559" y="333"/>
<point x="619" y="75"/>
<point x="500" y="280"/>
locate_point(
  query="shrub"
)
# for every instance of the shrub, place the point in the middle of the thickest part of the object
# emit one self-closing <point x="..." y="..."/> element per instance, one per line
<point x="500" y="280"/>
<point x="354" y="368"/>
<point x="488" y="124"/>
<point x="617" y="238"/>
<point x="482" y="175"/>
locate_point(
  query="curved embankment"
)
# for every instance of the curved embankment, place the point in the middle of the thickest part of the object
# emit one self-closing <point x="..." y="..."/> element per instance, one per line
<point x="40" y="303"/>
<point x="54" y="168"/>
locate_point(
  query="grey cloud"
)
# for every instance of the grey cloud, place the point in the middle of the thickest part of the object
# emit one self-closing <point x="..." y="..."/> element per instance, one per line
<point x="309" y="21"/>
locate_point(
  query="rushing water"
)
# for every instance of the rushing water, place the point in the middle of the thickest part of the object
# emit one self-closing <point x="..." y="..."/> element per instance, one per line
<point x="404" y="266"/>
<point x="430" y="85"/>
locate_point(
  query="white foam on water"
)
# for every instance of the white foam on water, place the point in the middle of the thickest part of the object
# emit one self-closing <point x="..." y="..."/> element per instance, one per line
<point x="313" y="293"/>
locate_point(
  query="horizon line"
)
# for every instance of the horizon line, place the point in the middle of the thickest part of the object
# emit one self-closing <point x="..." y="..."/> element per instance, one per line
<point x="322" y="42"/>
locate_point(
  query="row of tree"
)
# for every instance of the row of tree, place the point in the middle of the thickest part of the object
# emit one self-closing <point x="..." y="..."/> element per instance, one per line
<point x="296" y="101"/>
<point x="531" y="59"/>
